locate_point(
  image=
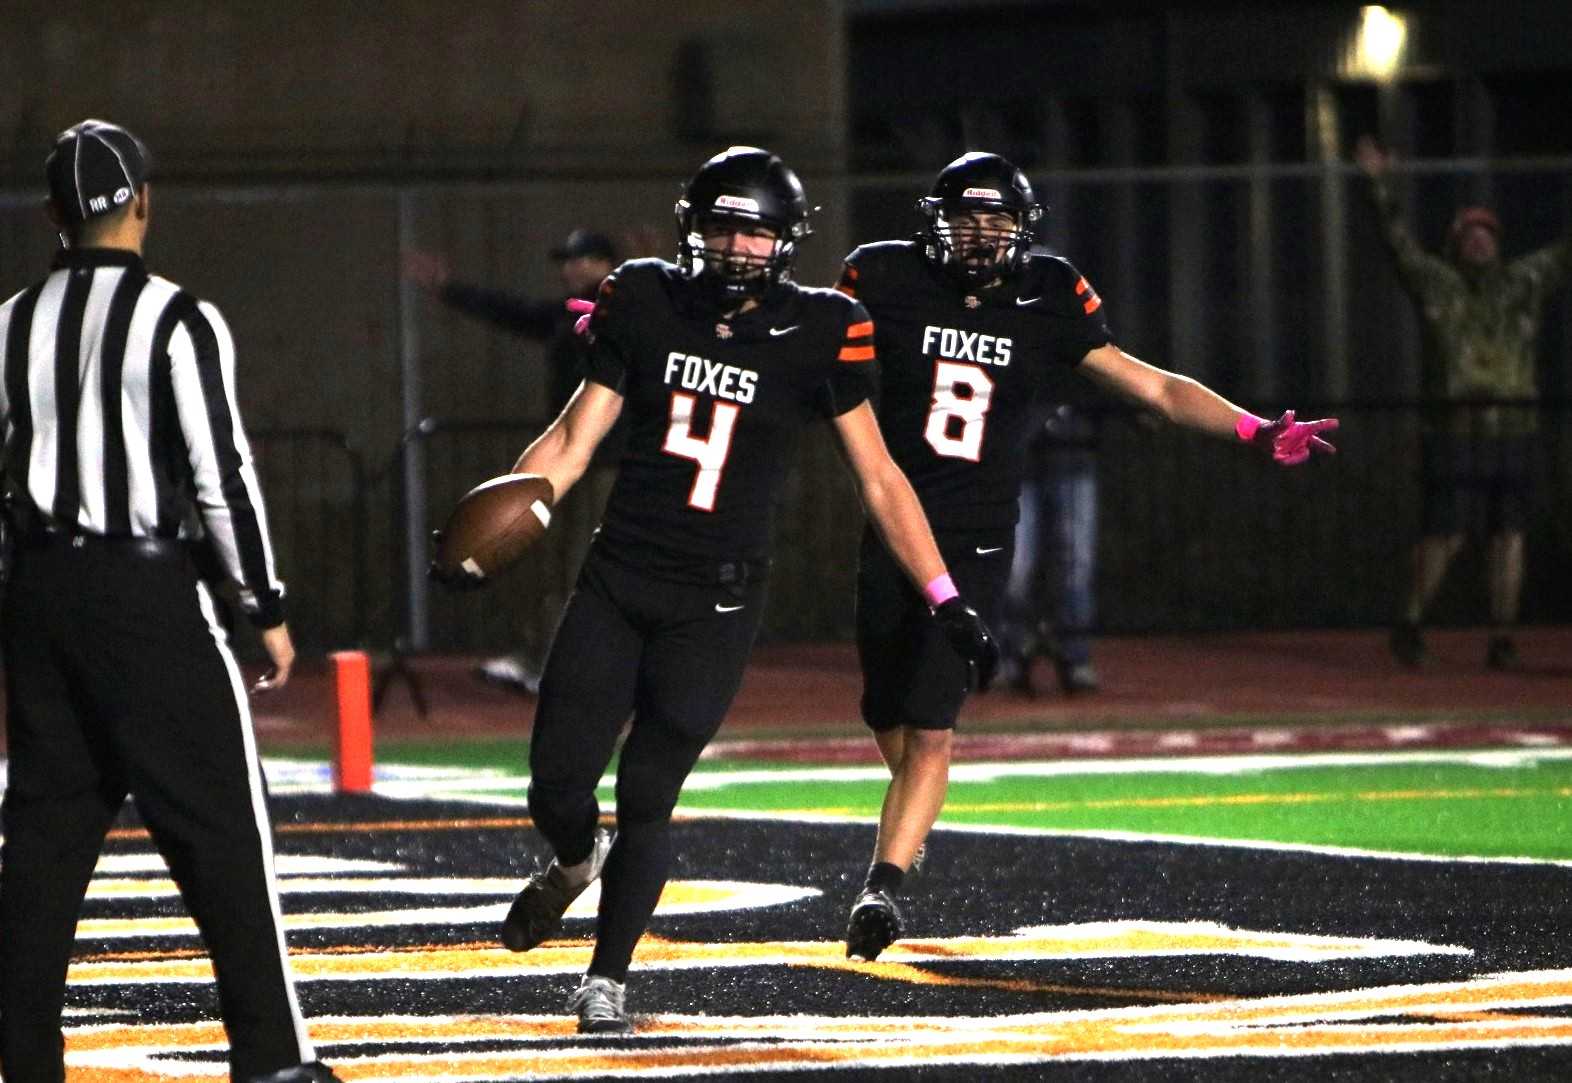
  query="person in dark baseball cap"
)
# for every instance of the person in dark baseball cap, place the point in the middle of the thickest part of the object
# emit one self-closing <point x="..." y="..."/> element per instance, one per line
<point x="95" y="169"/>
<point x="583" y="243"/>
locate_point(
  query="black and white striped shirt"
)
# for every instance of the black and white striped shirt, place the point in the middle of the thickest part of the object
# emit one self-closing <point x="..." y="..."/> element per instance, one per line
<point x="117" y="400"/>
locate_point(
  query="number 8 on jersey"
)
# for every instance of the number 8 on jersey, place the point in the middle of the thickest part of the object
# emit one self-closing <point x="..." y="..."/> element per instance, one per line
<point x="969" y="410"/>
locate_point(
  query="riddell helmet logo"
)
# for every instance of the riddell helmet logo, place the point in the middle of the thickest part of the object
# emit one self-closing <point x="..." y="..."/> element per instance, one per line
<point x="121" y="195"/>
<point x="737" y="203"/>
<point x="981" y="193"/>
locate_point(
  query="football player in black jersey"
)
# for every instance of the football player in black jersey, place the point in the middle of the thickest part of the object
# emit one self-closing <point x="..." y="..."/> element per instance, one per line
<point x="969" y="324"/>
<point x="719" y="362"/>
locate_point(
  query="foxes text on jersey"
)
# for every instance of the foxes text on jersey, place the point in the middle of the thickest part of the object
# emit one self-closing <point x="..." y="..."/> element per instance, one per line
<point x="715" y="404"/>
<point x="958" y="370"/>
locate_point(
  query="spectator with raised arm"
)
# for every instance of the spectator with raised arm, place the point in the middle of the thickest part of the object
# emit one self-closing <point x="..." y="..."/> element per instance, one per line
<point x="1481" y="316"/>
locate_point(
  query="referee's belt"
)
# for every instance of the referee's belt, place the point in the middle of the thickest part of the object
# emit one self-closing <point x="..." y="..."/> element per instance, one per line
<point x="121" y="544"/>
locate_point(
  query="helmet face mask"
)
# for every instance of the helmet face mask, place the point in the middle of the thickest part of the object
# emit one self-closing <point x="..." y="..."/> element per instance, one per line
<point x="736" y="200"/>
<point x="979" y="247"/>
<point x="981" y="220"/>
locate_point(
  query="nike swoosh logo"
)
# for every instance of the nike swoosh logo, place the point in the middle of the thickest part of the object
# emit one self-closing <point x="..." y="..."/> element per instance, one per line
<point x="985" y="552"/>
<point x="776" y="332"/>
<point x="726" y="608"/>
<point x="1027" y="300"/>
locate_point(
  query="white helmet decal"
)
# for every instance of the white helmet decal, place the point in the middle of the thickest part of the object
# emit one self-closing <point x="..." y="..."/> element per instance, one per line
<point x="738" y="203"/>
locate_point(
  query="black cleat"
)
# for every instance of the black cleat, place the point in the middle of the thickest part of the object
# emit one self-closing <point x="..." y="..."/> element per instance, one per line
<point x="599" y="1002"/>
<point x="537" y="910"/>
<point x="875" y="924"/>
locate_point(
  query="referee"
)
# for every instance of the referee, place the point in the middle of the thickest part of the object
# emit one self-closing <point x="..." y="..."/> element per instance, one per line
<point x="123" y="448"/>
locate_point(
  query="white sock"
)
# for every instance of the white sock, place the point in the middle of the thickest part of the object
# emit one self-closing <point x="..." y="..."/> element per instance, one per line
<point x="584" y="871"/>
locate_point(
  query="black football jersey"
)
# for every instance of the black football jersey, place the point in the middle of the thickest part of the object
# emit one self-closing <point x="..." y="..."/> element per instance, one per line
<point x="714" y="406"/>
<point x="958" y="370"/>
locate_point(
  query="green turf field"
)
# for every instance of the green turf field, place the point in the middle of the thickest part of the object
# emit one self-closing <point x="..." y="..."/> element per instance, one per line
<point x="1456" y="804"/>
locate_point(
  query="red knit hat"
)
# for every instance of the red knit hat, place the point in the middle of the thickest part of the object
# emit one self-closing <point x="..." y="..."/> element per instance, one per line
<point x="1474" y="216"/>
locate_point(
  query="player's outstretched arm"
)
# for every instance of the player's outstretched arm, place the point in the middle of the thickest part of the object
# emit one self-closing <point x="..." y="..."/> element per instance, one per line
<point x="562" y="453"/>
<point x="898" y="516"/>
<point x="1192" y="404"/>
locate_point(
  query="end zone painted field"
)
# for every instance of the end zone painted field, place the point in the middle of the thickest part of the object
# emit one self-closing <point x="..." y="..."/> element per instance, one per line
<point x="1395" y="916"/>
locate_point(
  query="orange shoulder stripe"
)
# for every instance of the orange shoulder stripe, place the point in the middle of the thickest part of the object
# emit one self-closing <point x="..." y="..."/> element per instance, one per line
<point x="1092" y="302"/>
<point x="856" y="353"/>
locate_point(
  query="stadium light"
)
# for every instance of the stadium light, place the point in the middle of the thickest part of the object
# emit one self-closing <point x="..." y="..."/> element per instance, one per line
<point x="1377" y="50"/>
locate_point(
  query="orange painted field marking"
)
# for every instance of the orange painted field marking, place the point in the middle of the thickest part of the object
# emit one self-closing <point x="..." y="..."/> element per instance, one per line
<point x="915" y="975"/>
<point x="1482" y="1013"/>
<point x="1099" y="940"/>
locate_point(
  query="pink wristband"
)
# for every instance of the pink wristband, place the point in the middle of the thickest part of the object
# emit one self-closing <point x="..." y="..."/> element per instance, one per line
<point x="939" y="590"/>
<point x="1247" y="425"/>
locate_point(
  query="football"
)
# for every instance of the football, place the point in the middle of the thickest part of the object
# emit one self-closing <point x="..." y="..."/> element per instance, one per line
<point x="493" y="524"/>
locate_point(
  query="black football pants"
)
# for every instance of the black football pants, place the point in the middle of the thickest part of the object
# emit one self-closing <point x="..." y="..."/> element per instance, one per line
<point x="119" y="681"/>
<point x="669" y="654"/>
<point x="911" y="676"/>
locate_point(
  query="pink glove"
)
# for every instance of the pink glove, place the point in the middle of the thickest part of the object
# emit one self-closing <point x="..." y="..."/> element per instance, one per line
<point x="1291" y="442"/>
<point x="585" y="309"/>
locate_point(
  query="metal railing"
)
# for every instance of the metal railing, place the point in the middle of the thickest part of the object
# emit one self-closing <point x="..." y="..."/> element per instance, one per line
<point x="518" y="611"/>
<point x="1195" y="534"/>
<point x="315" y="488"/>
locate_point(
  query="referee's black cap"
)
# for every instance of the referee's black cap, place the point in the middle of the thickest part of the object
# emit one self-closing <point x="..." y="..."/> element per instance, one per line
<point x="95" y="167"/>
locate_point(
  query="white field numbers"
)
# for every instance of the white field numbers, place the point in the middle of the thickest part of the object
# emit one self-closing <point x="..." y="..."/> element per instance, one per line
<point x="709" y="453"/>
<point x="961" y="394"/>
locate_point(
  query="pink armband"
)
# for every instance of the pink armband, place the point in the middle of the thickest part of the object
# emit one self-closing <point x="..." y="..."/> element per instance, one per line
<point x="1246" y="427"/>
<point x="939" y="590"/>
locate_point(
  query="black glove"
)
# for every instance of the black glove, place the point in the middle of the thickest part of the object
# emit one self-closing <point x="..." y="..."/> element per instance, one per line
<point x="971" y="639"/>
<point x="458" y="579"/>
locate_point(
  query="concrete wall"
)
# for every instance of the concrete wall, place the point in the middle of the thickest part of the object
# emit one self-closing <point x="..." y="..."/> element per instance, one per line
<point x="481" y="115"/>
<point x="485" y="84"/>
<point x="288" y="138"/>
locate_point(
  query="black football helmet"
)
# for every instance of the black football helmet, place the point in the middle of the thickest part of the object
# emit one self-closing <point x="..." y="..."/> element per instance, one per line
<point x="979" y="183"/>
<point x="742" y="185"/>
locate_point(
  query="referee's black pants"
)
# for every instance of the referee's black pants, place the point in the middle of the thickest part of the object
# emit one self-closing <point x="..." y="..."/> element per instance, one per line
<point x="119" y="680"/>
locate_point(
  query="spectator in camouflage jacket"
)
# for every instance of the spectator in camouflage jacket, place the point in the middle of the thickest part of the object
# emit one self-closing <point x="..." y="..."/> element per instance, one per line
<point x="1481" y="318"/>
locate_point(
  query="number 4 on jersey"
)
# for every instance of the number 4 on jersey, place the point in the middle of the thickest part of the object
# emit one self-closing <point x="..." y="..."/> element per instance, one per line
<point x="710" y="453"/>
<point x="955" y="421"/>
